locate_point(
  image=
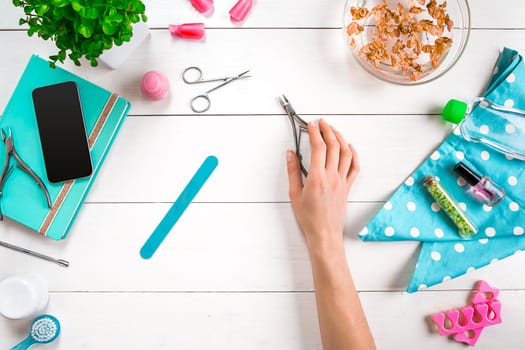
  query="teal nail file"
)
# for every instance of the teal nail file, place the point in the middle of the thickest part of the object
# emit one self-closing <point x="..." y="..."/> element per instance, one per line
<point x="177" y="209"/>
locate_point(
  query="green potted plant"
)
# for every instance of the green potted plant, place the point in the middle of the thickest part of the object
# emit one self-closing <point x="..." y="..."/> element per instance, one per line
<point x="82" y="28"/>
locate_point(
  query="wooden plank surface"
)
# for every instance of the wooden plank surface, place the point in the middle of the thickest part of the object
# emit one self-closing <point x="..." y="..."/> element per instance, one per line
<point x="221" y="247"/>
<point x="288" y="14"/>
<point x="201" y="321"/>
<point x="235" y="273"/>
<point x="294" y="62"/>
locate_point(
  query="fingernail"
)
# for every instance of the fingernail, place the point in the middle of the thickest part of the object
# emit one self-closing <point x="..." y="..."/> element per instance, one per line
<point x="288" y="155"/>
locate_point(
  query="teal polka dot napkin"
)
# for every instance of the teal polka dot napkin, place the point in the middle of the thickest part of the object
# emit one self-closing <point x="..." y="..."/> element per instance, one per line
<point x="412" y="214"/>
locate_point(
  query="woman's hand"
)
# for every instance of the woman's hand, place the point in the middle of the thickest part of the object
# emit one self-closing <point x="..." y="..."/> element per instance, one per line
<point x="320" y="206"/>
<point x="320" y="203"/>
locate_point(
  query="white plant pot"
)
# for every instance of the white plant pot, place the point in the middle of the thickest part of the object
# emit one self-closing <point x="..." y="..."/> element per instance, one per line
<point x="117" y="55"/>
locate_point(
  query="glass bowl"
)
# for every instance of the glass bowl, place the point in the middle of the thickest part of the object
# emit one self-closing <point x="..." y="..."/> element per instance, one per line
<point x="385" y="69"/>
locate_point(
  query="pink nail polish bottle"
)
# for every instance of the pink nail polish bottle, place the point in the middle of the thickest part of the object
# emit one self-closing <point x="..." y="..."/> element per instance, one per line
<point x="193" y="31"/>
<point x="240" y="10"/>
<point x="202" y="6"/>
<point x="481" y="187"/>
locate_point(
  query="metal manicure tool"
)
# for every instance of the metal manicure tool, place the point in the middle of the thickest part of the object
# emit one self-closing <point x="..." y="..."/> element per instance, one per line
<point x="10" y="150"/>
<point x="204" y="98"/>
<point x="59" y="262"/>
<point x="298" y="127"/>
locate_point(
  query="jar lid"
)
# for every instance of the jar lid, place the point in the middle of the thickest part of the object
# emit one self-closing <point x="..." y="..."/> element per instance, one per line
<point x="17" y="298"/>
<point x="23" y="296"/>
<point x="454" y="111"/>
<point x="470" y="176"/>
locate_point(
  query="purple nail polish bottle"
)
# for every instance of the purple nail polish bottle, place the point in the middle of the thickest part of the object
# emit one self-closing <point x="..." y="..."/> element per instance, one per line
<point x="483" y="188"/>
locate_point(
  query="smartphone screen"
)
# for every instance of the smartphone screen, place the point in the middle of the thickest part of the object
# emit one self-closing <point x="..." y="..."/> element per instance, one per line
<point x="62" y="132"/>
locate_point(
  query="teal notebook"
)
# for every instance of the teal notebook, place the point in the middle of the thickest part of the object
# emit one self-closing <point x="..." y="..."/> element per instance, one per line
<point x="22" y="199"/>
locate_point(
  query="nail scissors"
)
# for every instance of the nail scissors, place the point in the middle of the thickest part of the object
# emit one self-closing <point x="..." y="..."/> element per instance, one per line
<point x="299" y="125"/>
<point x="10" y="150"/>
<point x="204" y="98"/>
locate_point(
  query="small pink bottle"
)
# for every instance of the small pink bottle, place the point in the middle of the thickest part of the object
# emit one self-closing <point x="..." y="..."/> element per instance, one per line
<point x="193" y="31"/>
<point x="240" y="10"/>
<point x="202" y="6"/>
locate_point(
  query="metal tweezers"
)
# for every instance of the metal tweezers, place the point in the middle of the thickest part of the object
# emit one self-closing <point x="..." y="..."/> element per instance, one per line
<point x="298" y="126"/>
<point x="10" y="150"/>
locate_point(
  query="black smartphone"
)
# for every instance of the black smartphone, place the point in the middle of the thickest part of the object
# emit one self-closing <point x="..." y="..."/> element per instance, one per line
<point x="62" y="131"/>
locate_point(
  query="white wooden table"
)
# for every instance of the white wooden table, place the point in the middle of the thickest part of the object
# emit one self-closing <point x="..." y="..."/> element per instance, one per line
<point x="234" y="272"/>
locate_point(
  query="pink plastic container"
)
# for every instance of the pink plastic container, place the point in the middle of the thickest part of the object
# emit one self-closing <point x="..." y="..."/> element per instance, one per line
<point x="202" y="6"/>
<point x="194" y="31"/>
<point x="154" y="85"/>
<point x="240" y="10"/>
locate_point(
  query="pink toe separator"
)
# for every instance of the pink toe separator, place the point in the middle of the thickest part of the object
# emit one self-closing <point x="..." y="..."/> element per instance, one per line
<point x="469" y="337"/>
<point x="240" y="10"/>
<point x="467" y="323"/>
<point x="484" y="292"/>
<point x="468" y="318"/>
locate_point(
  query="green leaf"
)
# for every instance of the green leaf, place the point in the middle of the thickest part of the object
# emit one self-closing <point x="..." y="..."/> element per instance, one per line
<point x="60" y="3"/>
<point x="57" y="13"/>
<point x="77" y="6"/>
<point x="62" y="55"/>
<point x="109" y="28"/>
<point x="85" y="30"/>
<point x="116" y="18"/>
<point x="42" y="9"/>
<point x="108" y="44"/>
<point x="91" y="13"/>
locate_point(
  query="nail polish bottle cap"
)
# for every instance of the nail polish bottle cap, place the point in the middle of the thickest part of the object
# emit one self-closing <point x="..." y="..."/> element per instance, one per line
<point x="454" y="111"/>
<point x="470" y="176"/>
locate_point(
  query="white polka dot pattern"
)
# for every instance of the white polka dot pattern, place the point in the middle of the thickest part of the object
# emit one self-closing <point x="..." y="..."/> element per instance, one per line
<point x="458" y="247"/>
<point x="436" y="256"/>
<point x="414" y="232"/>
